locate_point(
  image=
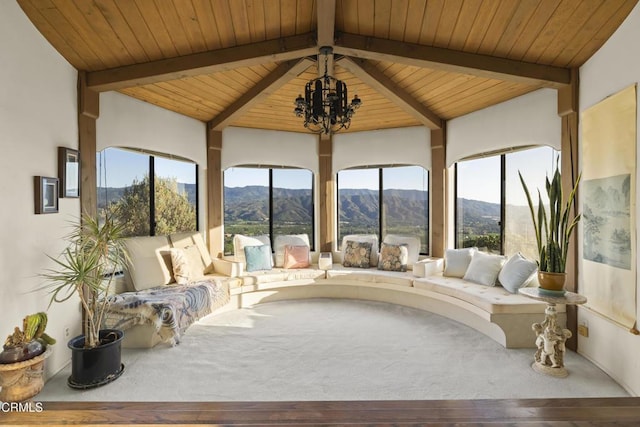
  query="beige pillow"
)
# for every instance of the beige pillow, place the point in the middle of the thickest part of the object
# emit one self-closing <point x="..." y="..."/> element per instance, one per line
<point x="180" y="266"/>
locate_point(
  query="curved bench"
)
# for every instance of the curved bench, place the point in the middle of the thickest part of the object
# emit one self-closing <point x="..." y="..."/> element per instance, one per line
<point x="504" y="317"/>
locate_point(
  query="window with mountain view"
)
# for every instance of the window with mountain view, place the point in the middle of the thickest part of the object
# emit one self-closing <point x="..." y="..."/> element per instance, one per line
<point x="381" y="201"/>
<point x="478" y="204"/>
<point x="125" y="190"/>
<point x="481" y="220"/>
<point x="267" y="201"/>
<point x="534" y="164"/>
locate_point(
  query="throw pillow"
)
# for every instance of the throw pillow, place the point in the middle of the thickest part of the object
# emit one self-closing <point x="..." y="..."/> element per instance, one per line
<point x="258" y="257"/>
<point x="194" y="259"/>
<point x="413" y="246"/>
<point x="296" y="256"/>
<point x="393" y="257"/>
<point x="288" y="239"/>
<point x="371" y="238"/>
<point x="240" y="241"/>
<point x="517" y="272"/>
<point x="180" y="266"/>
<point x="484" y="268"/>
<point x="356" y="254"/>
<point x="456" y="261"/>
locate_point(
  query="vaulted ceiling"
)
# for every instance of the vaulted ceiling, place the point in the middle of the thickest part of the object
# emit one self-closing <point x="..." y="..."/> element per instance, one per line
<point x="243" y="62"/>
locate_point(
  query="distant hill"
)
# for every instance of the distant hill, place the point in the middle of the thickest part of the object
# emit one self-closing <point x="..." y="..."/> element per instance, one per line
<point x="357" y="206"/>
<point x="479" y="217"/>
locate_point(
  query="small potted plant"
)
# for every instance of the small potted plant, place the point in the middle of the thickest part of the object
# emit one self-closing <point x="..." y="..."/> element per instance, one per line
<point x="553" y="231"/>
<point x="86" y="268"/>
<point x="22" y="359"/>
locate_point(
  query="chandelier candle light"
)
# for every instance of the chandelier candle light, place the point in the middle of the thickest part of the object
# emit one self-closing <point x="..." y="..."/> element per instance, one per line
<point x="324" y="106"/>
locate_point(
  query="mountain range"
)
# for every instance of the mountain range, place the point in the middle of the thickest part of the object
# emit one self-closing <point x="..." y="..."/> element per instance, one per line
<point x="358" y="206"/>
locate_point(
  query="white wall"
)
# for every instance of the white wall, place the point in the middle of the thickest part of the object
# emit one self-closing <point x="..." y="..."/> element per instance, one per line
<point x="270" y="148"/>
<point x="529" y="119"/>
<point x="38" y="113"/>
<point x="408" y="146"/>
<point x="614" y="67"/>
<point x="128" y="122"/>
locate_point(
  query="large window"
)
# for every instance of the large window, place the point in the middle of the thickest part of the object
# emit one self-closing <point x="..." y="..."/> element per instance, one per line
<point x="149" y="194"/>
<point x="491" y="208"/>
<point x="478" y="208"/>
<point x="267" y="201"/>
<point x="381" y="201"/>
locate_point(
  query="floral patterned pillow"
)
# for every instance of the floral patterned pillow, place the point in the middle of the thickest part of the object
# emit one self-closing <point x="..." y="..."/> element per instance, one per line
<point x="357" y="254"/>
<point x="393" y="257"/>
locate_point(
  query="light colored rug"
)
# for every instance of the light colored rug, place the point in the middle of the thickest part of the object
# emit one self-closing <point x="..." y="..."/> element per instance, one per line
<point x="324" y="349"/>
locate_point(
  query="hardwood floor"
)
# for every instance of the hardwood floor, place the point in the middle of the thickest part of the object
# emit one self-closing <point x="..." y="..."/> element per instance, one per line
<point x="525" y="412"/>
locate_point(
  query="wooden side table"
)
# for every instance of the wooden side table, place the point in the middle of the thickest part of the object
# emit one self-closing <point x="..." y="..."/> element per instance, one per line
<point x="550" y="337"/>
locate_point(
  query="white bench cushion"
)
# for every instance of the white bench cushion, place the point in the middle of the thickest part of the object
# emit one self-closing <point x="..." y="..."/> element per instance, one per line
<point x="372" y="275"/>
<point x="491" y="299"/>
<point x="149" y="261"/>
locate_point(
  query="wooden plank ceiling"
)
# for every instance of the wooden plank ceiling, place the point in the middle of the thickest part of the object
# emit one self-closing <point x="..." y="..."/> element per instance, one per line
<point x="242" y="62"/>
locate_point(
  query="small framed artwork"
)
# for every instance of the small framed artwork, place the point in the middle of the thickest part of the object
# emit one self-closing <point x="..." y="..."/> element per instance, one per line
<point x="69" y="172"/>
<point x="46" y="194"/>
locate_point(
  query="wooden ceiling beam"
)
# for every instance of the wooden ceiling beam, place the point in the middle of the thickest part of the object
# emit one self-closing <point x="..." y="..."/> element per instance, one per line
<point x="326" y="12"/>
<point x="372" y="76"/>
<point x="258" y="93"/>
<point x="276" y="50"/>
<point x="449" y="60"/>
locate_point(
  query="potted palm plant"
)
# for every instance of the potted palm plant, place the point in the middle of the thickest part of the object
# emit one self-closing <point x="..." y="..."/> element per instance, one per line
<point x="22" y="359"/>
<point x="553" y="230"/>
<point x="86" y="268"/>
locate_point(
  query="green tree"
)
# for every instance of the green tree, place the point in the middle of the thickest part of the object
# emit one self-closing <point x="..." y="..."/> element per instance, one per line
<point x="173" y="211"/>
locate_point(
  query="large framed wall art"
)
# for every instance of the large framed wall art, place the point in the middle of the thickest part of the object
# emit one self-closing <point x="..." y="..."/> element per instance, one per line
<point x="608" y="195"/>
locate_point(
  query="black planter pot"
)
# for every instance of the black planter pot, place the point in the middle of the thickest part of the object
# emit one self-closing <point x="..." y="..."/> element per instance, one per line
<point x="94" y="367"/>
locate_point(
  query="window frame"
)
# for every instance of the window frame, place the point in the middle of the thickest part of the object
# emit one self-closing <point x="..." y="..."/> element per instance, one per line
<point x="152" y="180"/>
<point x="270" y="207"/>
<point x="381" y="202"/>
<point x="503" y="191"/>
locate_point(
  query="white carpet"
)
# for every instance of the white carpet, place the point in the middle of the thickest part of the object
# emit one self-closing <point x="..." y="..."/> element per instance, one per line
<point x="324" y="349"/>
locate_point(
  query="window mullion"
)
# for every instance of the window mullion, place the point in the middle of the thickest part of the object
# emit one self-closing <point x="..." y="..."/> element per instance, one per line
<point x="503" y="195"/>
<point x="152" y="194"/>
<point x="270" y="209"/>
<point x="381" y="216"/>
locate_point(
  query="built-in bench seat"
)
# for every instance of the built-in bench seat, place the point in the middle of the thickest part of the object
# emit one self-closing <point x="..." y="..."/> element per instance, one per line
<point x="503" y="316"/>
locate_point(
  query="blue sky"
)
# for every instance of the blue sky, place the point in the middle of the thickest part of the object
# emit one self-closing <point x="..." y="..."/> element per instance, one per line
<point x="123" y="166"/>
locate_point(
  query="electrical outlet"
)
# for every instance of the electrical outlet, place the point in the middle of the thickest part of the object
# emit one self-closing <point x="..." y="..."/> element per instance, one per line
<point x="583" y="329"/>
<point x="66" y="332"/>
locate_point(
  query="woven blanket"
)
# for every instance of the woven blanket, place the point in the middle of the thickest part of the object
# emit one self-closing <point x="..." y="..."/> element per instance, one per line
<point x="171" y="309"/>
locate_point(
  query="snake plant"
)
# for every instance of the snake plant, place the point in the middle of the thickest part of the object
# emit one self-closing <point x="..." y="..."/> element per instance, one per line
<point x="553" y="230"/>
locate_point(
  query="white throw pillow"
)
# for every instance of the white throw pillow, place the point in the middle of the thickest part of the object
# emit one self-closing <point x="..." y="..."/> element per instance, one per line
<point x="413" y="246"/>
<point x="180" y="266"/>
<point x="517" y="273"/>
<point x="240" y="241"/>
<point x="371" y="238"/>
<point x="484" y="268"/>
<point x="456" y="261"/>
<point x="291" y="240"/>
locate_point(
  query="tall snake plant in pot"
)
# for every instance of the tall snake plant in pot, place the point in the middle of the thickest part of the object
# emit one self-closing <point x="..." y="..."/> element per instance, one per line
<point x="553" y="230"/>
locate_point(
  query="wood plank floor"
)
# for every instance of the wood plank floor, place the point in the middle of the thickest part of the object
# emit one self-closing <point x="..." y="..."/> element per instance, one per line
<point x="525" y="412"/>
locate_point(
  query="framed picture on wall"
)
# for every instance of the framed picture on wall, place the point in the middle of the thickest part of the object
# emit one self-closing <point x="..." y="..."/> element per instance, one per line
<point x="46" y="194"/>
<point x="69" y="172"/>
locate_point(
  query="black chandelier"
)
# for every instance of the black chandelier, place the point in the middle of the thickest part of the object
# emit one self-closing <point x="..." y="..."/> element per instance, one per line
<point x="324" y="106"/>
